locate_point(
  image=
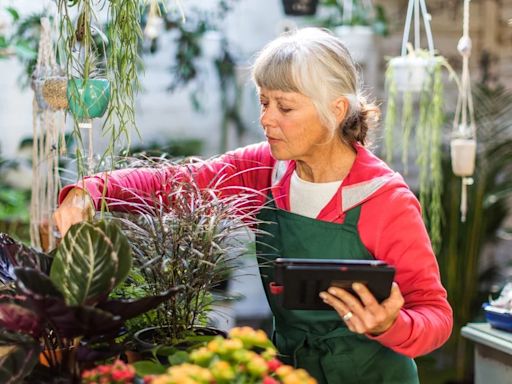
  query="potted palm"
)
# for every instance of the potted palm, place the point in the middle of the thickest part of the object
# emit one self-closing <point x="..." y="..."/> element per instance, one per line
<point x="55" y="313"/>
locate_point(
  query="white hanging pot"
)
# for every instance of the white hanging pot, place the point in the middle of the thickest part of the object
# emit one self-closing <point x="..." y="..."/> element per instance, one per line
<point x="410" y="72"/>
<point x="463" y="154"/>
<point x="359" y="39"/>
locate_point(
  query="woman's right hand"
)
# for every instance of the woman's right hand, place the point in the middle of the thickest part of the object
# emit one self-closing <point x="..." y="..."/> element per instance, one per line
<point x="77" y="206"/>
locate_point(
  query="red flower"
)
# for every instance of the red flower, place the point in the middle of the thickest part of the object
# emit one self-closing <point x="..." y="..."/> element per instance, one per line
<point x="273" y="364"/>
<point x="269" y="380"/>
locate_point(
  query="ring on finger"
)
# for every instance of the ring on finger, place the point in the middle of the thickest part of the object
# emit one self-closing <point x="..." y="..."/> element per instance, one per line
<point x="347" y="316"/>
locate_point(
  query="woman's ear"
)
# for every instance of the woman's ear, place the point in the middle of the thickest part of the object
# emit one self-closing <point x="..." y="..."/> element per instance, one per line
<point x="340" y="107"/>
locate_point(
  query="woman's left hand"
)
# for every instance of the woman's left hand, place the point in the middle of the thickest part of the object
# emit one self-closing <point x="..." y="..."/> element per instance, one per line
<point x="365" y="315"/>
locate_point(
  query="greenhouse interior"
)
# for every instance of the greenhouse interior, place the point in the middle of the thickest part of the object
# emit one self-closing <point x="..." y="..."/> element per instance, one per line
<point x="256" y="191"/>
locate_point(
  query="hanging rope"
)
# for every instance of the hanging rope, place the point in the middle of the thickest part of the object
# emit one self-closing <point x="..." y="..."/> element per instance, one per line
<point x="48" y="130"/>
<point x="418" y="10"/>
<point x="464" y="145"/>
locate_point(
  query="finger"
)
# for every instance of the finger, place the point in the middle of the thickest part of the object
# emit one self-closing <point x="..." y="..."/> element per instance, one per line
<point x="369" y="301"/>
<point x="349" y="300"/>
<point x="395" y="301"/>
<point x="354" y="324"/>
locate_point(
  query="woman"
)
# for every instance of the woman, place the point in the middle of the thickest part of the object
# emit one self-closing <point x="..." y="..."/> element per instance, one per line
<point x="334" y="199"/>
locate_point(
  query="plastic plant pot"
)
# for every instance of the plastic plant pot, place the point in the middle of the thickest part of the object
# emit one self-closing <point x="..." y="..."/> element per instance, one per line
<point x="410" y="73"/>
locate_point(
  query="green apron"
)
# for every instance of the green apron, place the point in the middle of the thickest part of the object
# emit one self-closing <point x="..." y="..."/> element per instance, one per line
<point x="319" y="341"/>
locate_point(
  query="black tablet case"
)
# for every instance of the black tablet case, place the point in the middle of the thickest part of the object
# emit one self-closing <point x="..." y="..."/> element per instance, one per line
<point x="303" y="279"/>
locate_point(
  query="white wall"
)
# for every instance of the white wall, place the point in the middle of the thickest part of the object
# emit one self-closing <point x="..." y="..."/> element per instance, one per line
<point x="160" y="114"/>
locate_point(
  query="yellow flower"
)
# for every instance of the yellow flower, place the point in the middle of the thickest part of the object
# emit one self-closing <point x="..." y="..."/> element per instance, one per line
<point x="222" y="371"/>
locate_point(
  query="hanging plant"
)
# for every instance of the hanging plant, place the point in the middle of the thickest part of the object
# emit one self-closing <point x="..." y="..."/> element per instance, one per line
<point x="416" y="75"/>
<point x="463" y="143"/>
<point x="116" y="49"/>
<point x="300" y="7"/>
<point x="356" y="22"/>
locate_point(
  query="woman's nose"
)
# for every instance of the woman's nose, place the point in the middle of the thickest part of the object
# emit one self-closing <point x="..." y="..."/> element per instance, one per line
<point x="267" y="118"/>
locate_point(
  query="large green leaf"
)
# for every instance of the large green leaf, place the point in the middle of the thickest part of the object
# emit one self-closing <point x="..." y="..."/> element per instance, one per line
<point x="90" y="261"/>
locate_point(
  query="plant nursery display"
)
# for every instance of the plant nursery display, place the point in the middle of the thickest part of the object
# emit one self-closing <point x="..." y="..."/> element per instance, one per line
<point x="56" y="316"/>
<point x="417" y="76"/>
<point x="246" y="357"/>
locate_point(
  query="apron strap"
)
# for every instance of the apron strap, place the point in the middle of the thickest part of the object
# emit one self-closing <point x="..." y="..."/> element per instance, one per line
<point x="352" y="216"/>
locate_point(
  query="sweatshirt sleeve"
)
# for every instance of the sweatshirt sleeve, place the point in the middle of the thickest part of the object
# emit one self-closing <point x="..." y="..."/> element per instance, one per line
<point x="247" y="168"/>
<point x="398" y="236"/>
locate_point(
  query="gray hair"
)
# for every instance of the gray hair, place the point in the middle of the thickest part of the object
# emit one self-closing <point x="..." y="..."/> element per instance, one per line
<point x="315" y="63"/>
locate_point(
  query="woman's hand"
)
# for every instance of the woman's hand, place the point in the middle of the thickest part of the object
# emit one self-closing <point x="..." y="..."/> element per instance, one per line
<point x="365" y="315"/>
<point x="76" y="207"/>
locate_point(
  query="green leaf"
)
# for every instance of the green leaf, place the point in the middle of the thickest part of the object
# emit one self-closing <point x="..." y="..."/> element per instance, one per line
<point x="24" y="51"/>
<point x="90" y="261"/>
<point x="178" y="357"/>
<point x="14" y="13"/>
<point x="145" y="368"/>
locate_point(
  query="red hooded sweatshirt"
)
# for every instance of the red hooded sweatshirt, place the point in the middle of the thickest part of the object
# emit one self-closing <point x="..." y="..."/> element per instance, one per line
<point x="390" y="224"/>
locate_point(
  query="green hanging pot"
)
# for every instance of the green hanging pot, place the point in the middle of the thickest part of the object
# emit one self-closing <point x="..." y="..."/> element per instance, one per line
<point x="88" y="99"/>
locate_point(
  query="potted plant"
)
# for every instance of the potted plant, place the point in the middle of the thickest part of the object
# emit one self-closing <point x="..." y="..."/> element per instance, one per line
<point x="55" y="313"/>
<point x="247" y="356"/>
<point x="84" y="39"/>
<point x="415" y="77"/>
<point x="187" y="237"/>
<point x="356" y="22"/>
<point x="300" y="7"/>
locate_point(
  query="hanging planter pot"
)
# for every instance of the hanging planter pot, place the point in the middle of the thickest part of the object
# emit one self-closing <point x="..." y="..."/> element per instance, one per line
<point x="410" y="72"/>
<point x="300" y="7"/>
<point x="359" y="40"/>
<point x="463" y="154"/>
<point x="88" y="99"/>
<point x="54" y="92"/>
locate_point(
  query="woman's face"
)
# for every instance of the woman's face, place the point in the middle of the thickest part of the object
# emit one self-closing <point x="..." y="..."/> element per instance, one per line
<point x="292" y="125"/>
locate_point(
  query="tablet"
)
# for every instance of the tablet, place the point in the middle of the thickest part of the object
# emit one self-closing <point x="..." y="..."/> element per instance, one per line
<point x="299" y="281"/>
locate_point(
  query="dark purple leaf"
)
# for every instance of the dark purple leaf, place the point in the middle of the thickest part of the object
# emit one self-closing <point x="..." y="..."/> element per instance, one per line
<point x="16" y="318"/>
<point x="34" y="283"/>
<point x="14" y="254"/>
<point x="18" y="356"/>
<point x="88" y="354"/>
<point x="127" y="309"/>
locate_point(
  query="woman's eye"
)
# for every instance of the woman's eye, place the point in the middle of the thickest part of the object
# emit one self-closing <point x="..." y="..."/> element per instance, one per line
<point x="284" y="109"/>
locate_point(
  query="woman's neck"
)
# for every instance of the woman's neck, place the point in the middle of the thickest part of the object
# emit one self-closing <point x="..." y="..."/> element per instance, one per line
<point x="332" y="163"/>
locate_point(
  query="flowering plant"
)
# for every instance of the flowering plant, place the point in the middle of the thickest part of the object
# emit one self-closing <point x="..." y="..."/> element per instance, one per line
<point x="116" y="373"/>
<point x="246" y="357"/>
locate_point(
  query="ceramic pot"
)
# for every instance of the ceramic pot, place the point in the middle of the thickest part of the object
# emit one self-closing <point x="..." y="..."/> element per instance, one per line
<point x="463" y="154"/>
<point x="300" y="7"/>
<point x="359" y="40"/>
<point x="88" y="99"/>
<point x="54" y="92"/>
<point x="410" y="73"/>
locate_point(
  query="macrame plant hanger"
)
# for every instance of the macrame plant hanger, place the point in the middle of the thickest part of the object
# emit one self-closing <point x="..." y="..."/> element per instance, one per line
<point x="48" y="138"/>
<point x="463" y="142"/>
<point x="418" y="10"/>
